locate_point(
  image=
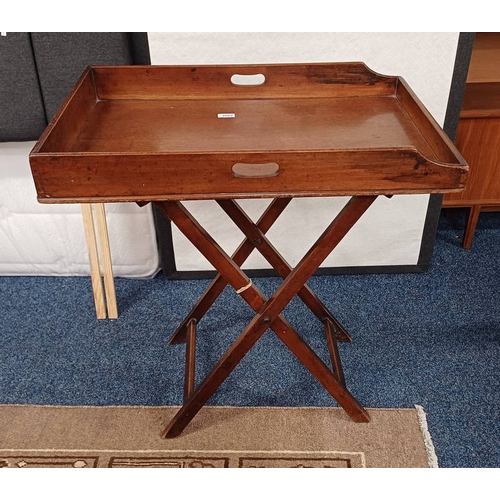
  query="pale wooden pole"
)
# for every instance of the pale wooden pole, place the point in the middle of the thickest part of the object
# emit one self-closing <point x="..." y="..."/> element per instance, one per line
<point x="95" y="272"/>
<point x="105" y="252"/>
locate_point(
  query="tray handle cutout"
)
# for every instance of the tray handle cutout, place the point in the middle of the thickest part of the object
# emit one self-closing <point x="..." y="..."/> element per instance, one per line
<point x="248" y="80"/>
<point x="255" y="170"/>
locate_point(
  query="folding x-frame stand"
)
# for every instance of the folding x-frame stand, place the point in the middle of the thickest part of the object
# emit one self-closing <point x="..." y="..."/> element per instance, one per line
<point x="267" y="311"/>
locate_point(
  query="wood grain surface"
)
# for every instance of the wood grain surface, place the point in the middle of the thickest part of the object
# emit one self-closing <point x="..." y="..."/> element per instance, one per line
<point x="145" y="133"/>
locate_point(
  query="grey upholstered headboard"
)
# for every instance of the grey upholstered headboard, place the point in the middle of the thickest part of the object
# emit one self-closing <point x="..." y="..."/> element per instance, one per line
<point x="39" y="69"/>
<point x="21" y="106"/>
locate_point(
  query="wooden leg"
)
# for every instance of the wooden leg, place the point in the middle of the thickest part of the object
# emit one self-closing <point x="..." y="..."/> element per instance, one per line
<point x="105" y="253"/>
<point x="239" y="257"/>
<point x="268" y="312"/>
<point x="190" y="359"/>
<point x="333" y="382"/>
<point x="269" y="252"/>
<point x="334" y="352"/>
<point x="471" y="226"/>
<point x="95" y="272"/>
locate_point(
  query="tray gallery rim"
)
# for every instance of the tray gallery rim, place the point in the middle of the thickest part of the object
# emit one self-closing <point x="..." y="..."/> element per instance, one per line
<point x="45" y="158"/>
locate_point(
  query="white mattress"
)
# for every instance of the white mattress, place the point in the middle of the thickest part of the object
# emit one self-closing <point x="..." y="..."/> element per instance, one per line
<point x="48" y="239"/>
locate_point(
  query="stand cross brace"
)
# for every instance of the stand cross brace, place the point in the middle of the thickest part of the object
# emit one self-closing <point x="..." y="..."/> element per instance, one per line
<point x="268" y="311"/>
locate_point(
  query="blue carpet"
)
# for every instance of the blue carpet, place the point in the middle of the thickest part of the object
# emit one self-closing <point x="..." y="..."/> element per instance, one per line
<point x="430" y="339"/>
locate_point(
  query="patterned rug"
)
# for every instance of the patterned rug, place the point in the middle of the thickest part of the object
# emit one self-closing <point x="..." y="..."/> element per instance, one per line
<point x="236" y="437"/>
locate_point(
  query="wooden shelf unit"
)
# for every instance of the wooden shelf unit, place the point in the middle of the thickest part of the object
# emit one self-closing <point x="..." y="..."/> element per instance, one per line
<point x="478" y="134"/>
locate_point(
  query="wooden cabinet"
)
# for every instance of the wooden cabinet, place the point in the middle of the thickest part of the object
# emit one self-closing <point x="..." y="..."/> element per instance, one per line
<point x="478" y="134"/>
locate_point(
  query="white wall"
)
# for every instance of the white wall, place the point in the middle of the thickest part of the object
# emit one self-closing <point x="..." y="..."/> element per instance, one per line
<point x="391" y="232"/>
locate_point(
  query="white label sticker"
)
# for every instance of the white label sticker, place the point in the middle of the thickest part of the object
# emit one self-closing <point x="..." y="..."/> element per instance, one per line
<point x="4" y="33"/>
<point x="226" y="115"/>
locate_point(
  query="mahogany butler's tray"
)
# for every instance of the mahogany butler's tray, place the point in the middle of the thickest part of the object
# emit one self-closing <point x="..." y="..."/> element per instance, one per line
<point x="166" y="134"/>
<point x="143" y="133"/>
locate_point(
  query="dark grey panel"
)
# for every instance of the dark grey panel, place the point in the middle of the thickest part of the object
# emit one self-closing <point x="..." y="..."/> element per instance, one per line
<point x="139" y="47"/>
<point x="61" y="58"/>
<point x="462" y="61"/>
<point x="21" y="106"/>
<point x="457" y="89"/>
